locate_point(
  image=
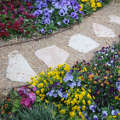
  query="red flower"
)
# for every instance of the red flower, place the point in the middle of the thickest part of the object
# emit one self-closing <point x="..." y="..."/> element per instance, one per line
<point x="2" y="26"/>
<point x="29" y="4"/>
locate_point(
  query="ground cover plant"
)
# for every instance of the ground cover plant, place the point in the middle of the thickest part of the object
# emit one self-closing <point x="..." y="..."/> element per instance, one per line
<point x="86" y="91"/>
<point x="18" y="17"/>
<point x="15" y="18"/>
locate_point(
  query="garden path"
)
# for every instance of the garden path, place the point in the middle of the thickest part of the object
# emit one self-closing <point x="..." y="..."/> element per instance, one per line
<point x="19" y="62"/>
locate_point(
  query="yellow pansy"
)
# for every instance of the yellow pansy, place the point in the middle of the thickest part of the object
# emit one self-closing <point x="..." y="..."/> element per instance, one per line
<point x="32" y="78"/>
<point x="89" y="102"/>
<point x="62" y="99"/>
<point x="92" y="1"/>
<point x="42" y="73"/>
<point x="83" y="107"/>
<point x="119" y="114"/>
<point x="114" y="116"/>
<point x="62" y="111"/>
<point x="81" y="115"/>
<point x="37" y="92"/>
<point x="83" y="101"/>
<point x="36" y="81"/>
<point x="46" y="101"/>
<point x="67" y="68"/>
<point x="116" y="97"/>
<point x="99" y="4"/>
<point x="80" y="97"/>
<point x="40" y="85"/>
<point x="42" y="90"/>
<point x="89" y="96"/>
<point x="93" y="5"/>
<point x="84" y="69"/>
<point x="89" y="90"/>
<point x="42" y="98"/>
<point x="81" y="7"/>
<point x="33" y="84"/>
<point x="78" y="108"/>
<point x="72" y="114"/>
<point x="82" y="0"/>
<point x="94" y="9"/>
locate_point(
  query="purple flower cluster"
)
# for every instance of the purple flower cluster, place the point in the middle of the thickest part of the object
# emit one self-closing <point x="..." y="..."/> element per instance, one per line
<point x="56" y="12"/>
<point x="118" y="85"/>
<point x="28" y="97"/>
<point x="68" y="82"/>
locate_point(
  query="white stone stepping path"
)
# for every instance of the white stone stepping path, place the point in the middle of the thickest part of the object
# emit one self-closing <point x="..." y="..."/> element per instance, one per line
<point x="114" y="19"/>
<point x="82" y="43"/>
<point x="52" y="56"/>
<point x="103" y="31"/>
<point x="18" y="68"/>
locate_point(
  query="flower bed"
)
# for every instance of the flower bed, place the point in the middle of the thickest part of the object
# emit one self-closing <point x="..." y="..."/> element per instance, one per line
<point x="18" y="17"/>
<point x="87" y="91"/>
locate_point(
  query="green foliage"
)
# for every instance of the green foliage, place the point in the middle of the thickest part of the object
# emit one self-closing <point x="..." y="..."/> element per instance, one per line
<point x="39" y="112"/>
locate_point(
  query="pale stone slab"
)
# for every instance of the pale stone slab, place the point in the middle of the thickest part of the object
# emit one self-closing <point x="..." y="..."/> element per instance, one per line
<point x="18" y="68"/>
<point x="52" y="56"/>
<point x="103" y="31"/>
<point x="114" y="19"/>
<point x="82" y="43"/>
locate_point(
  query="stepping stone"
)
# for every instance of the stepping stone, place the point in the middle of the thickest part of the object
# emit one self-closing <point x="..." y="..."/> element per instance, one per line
<point x="82" y="43"/>
<point x="52" y="56"/>
<point x="18" y="68"/>
<point x="114" y="19"/>
<point x="103" y="31"/>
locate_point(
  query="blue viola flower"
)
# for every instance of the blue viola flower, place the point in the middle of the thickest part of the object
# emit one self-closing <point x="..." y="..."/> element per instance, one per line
<point x="66" y="21"/>
<point x="62" y="12"/>
<point x="95" y="117"/>
<point x="60" y="93"/>
<point x="55" y="95"/>
<point x="65" y="95"/>
<point x="68" y="77"/>
<point x="104" y="113"/>
<point x="42" y="30"/>
<point x="74" y="15"/>
<point x="59" y="23"/>
<point x="92" y="108"/>
<point x="118" y="85"/>
<point x="71" y="85"/>
<point x="79" y="83"/>
<point x="47" y="21"/>
<point x="50" y="93"/>
<point x="114" y="112"/>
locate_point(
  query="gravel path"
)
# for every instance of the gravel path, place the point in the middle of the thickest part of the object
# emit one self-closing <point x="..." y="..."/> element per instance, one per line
<point x="61" y="40"/>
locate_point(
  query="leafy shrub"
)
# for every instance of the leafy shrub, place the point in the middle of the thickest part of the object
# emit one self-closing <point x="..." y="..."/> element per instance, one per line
<point x="39" y="112"/>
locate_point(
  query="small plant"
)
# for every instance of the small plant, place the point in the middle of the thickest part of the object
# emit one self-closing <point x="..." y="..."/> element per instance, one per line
<point x="39" y="112"/>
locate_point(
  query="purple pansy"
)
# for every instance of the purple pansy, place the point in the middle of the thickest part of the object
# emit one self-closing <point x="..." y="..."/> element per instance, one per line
<point x="104" y="113"/>
<point x="68" y="77"/>
<point x="95" y="117"/>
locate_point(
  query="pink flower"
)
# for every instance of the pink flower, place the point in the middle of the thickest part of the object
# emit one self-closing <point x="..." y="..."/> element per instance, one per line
<point x="27" y="103"/>
<point x="34" y="88"/>
<point x="28" y="97"/>
<point x="32" y="96"/>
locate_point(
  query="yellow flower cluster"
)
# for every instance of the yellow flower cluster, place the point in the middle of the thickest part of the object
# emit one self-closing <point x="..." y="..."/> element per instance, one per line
<point x="78" y="99"/>
<point x="43" y="80"/>
<point x="93" y="3"/>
